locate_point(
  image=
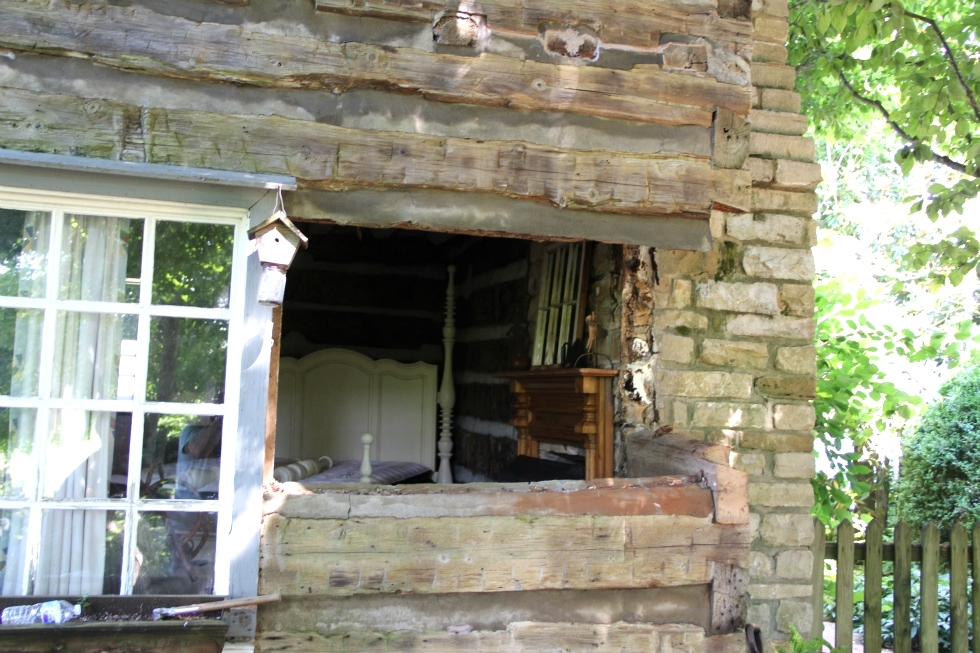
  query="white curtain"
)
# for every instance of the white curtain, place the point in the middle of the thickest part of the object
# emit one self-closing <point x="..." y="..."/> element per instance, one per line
<point x="78" y="443"/>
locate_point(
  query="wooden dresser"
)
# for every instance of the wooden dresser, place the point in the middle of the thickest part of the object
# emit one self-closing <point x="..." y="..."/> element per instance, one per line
<point x="572" y="406"/>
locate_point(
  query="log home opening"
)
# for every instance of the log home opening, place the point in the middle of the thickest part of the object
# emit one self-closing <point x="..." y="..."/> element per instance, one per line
<point x="665" y="133"/>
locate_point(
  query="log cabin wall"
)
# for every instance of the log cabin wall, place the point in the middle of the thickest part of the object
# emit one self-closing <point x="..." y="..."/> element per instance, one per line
<point x="669" y="127"/>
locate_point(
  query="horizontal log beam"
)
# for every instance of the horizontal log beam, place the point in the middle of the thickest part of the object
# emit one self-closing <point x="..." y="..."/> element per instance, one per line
<point x="493" y="554"/>
<point x="168" y="45"/>
<point x="518" y="637"/>
<point x="637" y="23"/>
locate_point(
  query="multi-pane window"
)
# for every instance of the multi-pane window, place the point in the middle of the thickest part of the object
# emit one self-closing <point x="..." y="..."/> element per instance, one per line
<point x="560" y="312"/>
<point x="117" y="393"/>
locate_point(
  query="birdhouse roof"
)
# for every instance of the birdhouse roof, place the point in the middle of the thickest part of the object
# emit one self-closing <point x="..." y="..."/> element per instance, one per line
<point x="280" y="217"/>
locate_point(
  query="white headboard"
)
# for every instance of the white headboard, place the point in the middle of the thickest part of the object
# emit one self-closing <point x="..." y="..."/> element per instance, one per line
<point x="329" y="398"/>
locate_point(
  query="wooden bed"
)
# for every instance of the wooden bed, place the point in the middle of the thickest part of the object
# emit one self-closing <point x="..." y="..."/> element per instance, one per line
<point x="330" y="399"/>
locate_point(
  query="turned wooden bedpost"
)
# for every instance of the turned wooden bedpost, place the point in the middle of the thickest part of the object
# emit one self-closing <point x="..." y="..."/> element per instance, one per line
<point x="447" y="393"/>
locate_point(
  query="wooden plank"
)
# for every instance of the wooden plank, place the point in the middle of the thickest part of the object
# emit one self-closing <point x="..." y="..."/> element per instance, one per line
<point x="976" y="585"/>
<point x="872" y="588"/>
<point x="518" y="637"/>
<point x="816" y="578"/>
<point x="929" y="590"/>
<point x="631" y="22"/>
<point x="445" y="555"/>
<point x="903" y="589"/>
<point x="844" y="626"/>
<point x="164" y="44"/>
<point x="959" y="571"/>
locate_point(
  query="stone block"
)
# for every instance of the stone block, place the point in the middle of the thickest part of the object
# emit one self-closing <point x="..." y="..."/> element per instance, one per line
<point x="777" y="99"/>
<point x="768" y="441"/>
<point x="782" y="146"/>
<point x="794" y="465"/>
<point x="778" y="8"/>
<point x="683" y="383"/>
<point x="731" y="415"/>
<point x="674" y="319"/>
<point x="770" y="29"/>
<point x="679" y="417"/>
<point x="773" y="75"/>
<point x="753" y="464"/>
<point x="778" y="122"/>
<point x="676" y="349"/>
<point x="797" y="300"/>
<point x="770" y="200"/>
<point x="760" y="614"/>
<point x="797" y="360"/>
<point x="778" y="263"/>
<point x="775" y="591"/>
<point x="797" y="175"/>
<point x="761" y="298"/>
<point x="760" y="565"/>
<point x="680" y="296"/>
<point x="794" y="614"/>
<point x="770" y="495"/>
<point x="763" y="171"/>
<point x="778" y="326"/>
<point x="795" y="564"/>
<point x="770" y="227"/>
<point x="787" y="529"/>
<point x="735" y="353"/>
<point x="787" y="387"/>
<point x="794" y="417"/>
<point x="773" y="52"/>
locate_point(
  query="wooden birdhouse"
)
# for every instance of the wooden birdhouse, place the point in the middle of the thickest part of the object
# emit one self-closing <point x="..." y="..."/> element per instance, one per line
<point x="276" y="242"/>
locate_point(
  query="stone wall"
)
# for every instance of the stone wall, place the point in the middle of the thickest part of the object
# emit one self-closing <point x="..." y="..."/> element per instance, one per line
<point x="720" y="344"/>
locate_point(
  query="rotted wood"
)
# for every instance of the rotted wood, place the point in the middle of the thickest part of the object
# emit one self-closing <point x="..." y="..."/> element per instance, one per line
<point x="637" y="23"/>
<point x="342" y="557"/>
<point x="172" y="46"/>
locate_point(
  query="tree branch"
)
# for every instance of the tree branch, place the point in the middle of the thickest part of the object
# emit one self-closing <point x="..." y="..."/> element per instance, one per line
<point x="941" y="159"/>
<point x="952" y="60"/>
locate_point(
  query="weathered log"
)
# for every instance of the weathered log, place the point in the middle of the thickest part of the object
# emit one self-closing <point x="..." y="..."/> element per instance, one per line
<point x="730" y="140"/>
<point x="173" y="46"/>
<point x="493" y="554"/>
<point x="638" y="23"/>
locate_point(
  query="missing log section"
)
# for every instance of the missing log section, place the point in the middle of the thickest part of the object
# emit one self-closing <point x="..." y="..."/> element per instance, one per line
<point x="461" y="29"/>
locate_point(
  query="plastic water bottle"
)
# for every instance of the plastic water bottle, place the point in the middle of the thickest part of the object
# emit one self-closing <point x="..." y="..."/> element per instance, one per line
<point x="49" y="612"/>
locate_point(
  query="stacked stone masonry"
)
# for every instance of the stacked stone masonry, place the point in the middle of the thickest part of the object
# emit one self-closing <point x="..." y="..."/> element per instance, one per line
<point x="733" y="334"/>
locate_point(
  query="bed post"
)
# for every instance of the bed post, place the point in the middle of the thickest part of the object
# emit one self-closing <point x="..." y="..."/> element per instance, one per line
<point x="447" y="393"/>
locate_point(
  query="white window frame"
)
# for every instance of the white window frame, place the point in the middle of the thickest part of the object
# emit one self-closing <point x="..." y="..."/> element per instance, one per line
<point x="151" y="211"/>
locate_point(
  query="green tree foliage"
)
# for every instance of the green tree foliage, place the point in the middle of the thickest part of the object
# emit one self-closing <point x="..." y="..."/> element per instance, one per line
<point x="914" y="65"/>
<point x="940" y="471"/>
<point x="854" y="399"/>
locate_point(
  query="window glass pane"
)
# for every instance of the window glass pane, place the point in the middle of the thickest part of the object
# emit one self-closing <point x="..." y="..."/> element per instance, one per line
<point x="18" y="469"/>
<point x="187" y="360"/>
<point x="13" y="563"/>
<point x="192" y="264"/>
<point x="20" y="351"/>
<point x="175" y="553"/>
<point x="78" y="455"/>
<point x="82" y="553"/>
<point x="24" y="240"/>
<point x="181" y="457"/>
<point x="90" y="357"/>
<point x="97" y="258"/>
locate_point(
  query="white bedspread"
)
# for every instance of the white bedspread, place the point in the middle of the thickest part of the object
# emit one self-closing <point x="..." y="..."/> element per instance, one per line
<point x="383" y="473"/>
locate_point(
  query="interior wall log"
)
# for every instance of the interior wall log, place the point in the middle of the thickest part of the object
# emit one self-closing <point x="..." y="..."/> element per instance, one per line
<point x="638" y="23"/>
<point x="174" y="46"/>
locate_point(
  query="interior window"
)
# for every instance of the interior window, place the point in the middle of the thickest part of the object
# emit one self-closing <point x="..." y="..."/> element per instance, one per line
<point x="560" y="311"/>
<point x="115" y="320"/>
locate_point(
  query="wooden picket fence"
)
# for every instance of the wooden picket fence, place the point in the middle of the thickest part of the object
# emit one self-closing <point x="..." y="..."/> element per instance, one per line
<point x="958" y="555"/>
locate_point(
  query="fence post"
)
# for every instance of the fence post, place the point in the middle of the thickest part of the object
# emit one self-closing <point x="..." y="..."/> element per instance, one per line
<point x="819" y="550"/>
<point x="929" y="590"/>
<point x="872" y="586"/>
<point x="959" y="570"/>
<point x="844" y="633"/>
<point x="903" y="589"/>
<point x="976" y="586"/>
